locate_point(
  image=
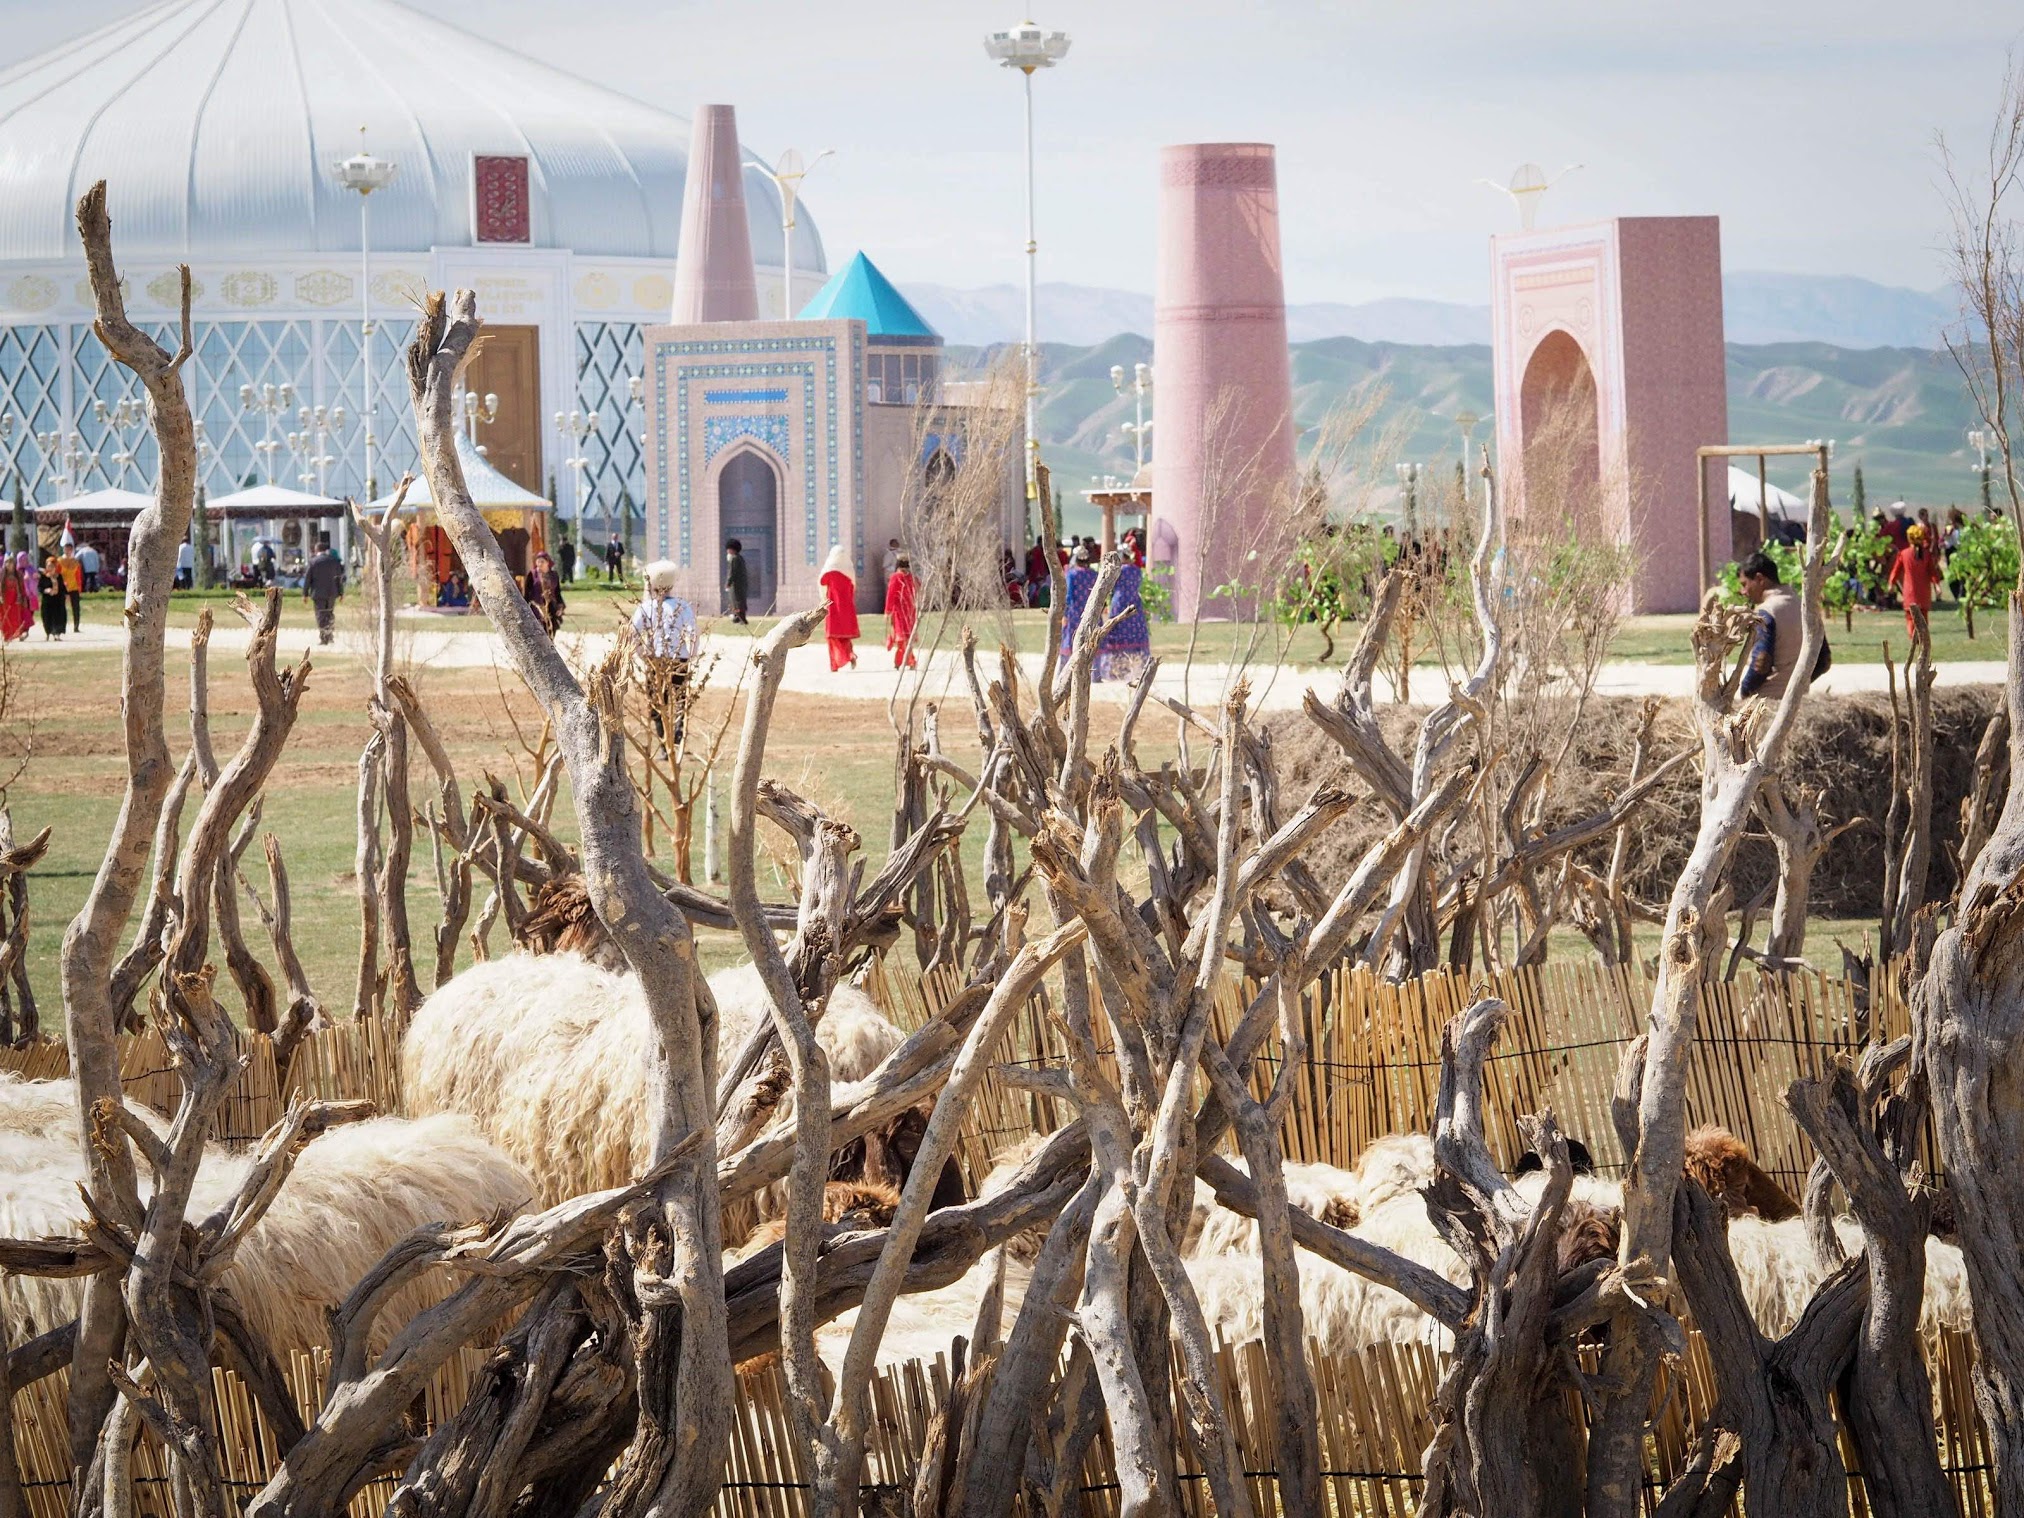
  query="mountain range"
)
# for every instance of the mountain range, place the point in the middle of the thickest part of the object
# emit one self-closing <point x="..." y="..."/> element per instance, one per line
<point x="1759" y="308"/>
<point x="1898" y="411"/>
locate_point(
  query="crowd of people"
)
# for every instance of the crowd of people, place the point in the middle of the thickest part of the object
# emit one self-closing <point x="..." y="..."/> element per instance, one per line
<point x="51" y="592"/>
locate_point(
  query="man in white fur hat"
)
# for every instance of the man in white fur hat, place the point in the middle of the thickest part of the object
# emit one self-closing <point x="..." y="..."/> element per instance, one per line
<point x="666" y="627"/>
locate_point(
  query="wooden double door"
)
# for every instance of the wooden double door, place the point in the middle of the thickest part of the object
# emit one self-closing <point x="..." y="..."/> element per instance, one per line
<point x="508" y="365"/>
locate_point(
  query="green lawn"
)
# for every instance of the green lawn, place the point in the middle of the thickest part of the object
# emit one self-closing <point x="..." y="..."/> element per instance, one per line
<point x="594" y="607"/>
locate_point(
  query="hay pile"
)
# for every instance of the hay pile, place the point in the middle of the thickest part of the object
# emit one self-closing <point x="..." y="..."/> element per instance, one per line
<point x="1842" y="744"/>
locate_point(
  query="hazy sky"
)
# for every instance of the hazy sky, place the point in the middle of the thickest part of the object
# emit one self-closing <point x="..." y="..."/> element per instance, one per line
<point x="1807" y="126"/>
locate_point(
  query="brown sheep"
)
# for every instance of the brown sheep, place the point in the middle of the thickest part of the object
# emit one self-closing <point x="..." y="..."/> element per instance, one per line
<point x="1721" y="1163"/>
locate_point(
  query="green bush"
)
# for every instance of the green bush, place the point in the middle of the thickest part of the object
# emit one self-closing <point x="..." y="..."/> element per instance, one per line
<point x="1983" y="565"/>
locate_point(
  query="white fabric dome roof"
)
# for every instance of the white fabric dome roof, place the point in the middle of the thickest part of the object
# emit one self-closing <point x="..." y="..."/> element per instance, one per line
<point x="216" y="123"/>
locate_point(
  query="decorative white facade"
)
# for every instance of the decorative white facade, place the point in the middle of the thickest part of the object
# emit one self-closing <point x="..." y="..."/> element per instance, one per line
<point x="557" y="200"/>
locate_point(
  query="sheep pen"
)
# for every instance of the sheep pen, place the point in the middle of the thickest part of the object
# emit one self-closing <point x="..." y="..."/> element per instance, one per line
<point x="1258" y="1037"/>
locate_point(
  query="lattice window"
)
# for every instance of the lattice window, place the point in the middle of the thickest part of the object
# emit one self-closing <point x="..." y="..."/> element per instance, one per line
<point x="395" y="422"/>
<point x="98" y="377"/>
<point x="608" y="354"/>
<point x="31" y="392"/>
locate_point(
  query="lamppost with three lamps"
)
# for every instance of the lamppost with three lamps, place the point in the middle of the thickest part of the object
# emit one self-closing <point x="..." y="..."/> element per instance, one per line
<point x="1027" y="48"/>
<point x="1980" y="440"/>
<point x="269" y="402"/>
<point x="1140" y="387"/>
<point x="1409" y="477"/>
<point x="119" y="421"/>
<point x="576" y="426"/>
<point x="66" y="449"/>
<point x="318" y="425"/>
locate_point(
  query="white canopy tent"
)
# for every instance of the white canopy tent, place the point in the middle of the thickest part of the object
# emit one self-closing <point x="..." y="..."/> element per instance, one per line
<point x="263" y="508"/>
<point x="1743" y="497"/>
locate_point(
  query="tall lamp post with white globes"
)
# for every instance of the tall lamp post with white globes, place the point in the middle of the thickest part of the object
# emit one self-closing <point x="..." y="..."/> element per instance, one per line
<point x="576" y="426"/>
<point x="1027" y="48"/>
<point x="1140" y="387"/>
<point x="364" y="173"/>
<point x="1980" y="442"/>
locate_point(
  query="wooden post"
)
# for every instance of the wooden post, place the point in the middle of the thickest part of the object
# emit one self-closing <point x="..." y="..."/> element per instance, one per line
<point x="1763" y="505"/>
<point x="1701" y="539"/>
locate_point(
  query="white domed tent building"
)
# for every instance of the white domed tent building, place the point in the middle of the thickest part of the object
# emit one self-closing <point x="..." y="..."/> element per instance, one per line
<point x="218" y="125"/>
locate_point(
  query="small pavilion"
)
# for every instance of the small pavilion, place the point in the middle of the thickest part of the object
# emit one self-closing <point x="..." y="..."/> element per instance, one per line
<point x="292" y="519"/>
<point x="517" y="516"/>
<point x="1114" y="498"/>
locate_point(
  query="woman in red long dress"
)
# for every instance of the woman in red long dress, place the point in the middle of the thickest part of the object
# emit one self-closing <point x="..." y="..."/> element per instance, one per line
<point x="15" y="616"/>
<point x="903" y="613"/>
<point x="841" y="592"/>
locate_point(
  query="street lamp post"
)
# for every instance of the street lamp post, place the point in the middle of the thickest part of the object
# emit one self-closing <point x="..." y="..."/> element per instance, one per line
<point x="477" y="413"/>
<point x="787" y="173"/>
<point x="636" y="396"/>
<point x="268" y="402"/>
<point x="576" y="426"/>
<point x="364" y="173"/>
<point x="1027" y="48"/>
<point x="118" y="421"/>
<point x="319" y="423"/>
<point x="1409" y="477"/>
<point x="1140" y="387"/>
<point x="1980" y="441"/>
<point x="65" y="450"/>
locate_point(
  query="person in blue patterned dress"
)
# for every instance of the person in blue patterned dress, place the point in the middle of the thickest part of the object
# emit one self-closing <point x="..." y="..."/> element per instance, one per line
<point x="1128" y="645"/>
<point x="1081" y="581"/>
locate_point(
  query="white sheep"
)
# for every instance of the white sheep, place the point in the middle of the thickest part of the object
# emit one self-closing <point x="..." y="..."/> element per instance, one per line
<point x="354" y="1192"/>
<point x="1396" y="1165"/>
<point x="548" y="1054"/>
<point x="926" y="1323"/>
<point x="1344" y="1311"/>
<point x="1779" y="1272"/>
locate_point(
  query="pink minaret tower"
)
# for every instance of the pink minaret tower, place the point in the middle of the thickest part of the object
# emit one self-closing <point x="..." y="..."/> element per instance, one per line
<point x="1223" y="450"/>
<point x="714" y="281"/>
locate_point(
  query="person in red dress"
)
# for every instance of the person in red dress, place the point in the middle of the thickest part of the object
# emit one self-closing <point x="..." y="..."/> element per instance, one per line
<point x="15" y="617"/>
<point x="903" y="613"/>
<point x="841" y="593"/>
<point x="1913" y="573"/>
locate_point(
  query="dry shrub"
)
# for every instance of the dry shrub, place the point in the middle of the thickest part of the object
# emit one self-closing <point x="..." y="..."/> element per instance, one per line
<point x="1842" y="745"/>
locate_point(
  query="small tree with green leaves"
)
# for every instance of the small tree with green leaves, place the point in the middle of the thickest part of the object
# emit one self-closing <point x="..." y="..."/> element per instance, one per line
<point x="19" y="537"/>
<point x="1333" y="572"/>
<point x="1858" y="496"/>
<point x="1983" y="566"/>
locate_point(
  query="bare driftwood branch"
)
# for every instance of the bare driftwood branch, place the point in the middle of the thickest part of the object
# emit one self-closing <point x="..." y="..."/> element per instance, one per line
<point x="683" y="1373"/>
<point x="92" y="941"/>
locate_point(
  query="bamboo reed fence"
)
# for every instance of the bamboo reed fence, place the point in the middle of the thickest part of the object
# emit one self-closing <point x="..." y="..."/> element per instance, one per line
<point x="1372" y="1067"/>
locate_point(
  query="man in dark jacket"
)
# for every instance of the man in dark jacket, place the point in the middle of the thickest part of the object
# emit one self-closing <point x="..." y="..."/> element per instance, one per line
<point x="565" y="554"/>
<point x="735" y="580"/>
<point x="322" y="585"/>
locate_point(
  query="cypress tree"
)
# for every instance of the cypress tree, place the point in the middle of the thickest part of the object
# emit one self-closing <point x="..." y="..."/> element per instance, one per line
<point x="200" y="535"/>
<point x="1860" y="500"/>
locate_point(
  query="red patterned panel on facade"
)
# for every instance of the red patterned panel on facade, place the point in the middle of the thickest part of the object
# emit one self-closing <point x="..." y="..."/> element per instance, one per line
<point x="502" y="208"/>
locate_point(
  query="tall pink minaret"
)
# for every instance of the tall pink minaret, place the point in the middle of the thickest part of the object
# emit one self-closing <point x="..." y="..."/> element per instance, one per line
<point x="714" y="281"/>
<point x="1223" y="449"/>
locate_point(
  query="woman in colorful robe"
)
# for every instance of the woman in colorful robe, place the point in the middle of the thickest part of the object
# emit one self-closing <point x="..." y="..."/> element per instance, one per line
<point x="841" y="624"/>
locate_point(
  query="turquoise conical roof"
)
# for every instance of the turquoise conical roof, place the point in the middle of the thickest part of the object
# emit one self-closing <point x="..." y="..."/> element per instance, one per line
<point x="858" y="290"/>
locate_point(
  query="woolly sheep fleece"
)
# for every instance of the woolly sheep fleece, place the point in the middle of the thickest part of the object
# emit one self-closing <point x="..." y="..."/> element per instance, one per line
<point x="1345" y="1311"/>
<point x="353" y="1194"/>
<point x="548" y="1054"/>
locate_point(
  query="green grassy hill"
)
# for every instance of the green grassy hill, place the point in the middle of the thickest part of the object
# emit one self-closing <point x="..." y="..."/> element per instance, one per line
<point x="1899" y="412"/>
